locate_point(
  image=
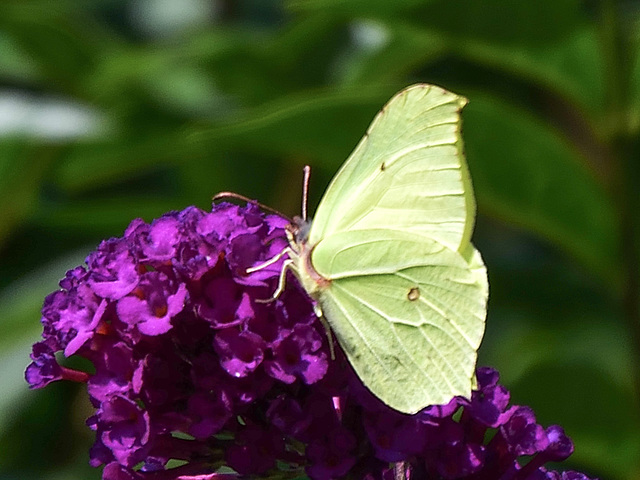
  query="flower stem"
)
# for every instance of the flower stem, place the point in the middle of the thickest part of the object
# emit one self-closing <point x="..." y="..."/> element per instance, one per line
<point x="74" y="375"/>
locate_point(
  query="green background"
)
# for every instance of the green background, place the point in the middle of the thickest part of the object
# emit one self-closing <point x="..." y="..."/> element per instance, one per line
<point x="112" y="110"/>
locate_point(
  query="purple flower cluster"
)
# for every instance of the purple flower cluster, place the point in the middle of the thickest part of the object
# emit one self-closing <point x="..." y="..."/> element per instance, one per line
<point x="197" y="378"/>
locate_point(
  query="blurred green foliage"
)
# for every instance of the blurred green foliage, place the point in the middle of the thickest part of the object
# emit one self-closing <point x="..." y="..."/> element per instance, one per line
<point x="114" y="109"/>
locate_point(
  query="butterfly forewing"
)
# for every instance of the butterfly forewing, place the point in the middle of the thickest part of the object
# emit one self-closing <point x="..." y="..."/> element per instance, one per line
<point x="407" y="173"/>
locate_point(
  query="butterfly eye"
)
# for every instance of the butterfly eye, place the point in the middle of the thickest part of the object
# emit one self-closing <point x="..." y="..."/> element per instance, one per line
<point x="414" y="294"/>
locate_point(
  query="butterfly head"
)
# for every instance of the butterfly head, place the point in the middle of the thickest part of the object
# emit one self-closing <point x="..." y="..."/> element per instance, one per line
<point x="298" y="231"/>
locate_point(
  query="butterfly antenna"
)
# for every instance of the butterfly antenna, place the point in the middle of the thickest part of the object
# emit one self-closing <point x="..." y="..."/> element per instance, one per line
<point x="237" y="196"/>
<point x="305" y="191"/>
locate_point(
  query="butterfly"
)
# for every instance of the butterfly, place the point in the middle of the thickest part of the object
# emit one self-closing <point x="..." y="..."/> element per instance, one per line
<point x="388" y="258"/>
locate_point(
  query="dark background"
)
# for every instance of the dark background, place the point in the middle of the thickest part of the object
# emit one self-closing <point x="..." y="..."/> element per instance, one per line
<point x="113" y="109"/>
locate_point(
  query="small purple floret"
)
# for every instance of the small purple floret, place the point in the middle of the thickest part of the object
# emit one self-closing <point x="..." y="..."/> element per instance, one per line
<point x="299" y="356"/>
<point x="124" y="429"/>
<point x="44" y="369"/>
<point x="152" y="304"/>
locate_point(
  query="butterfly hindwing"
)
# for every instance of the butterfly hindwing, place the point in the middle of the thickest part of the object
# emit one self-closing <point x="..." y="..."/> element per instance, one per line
<point x="409" y="323"/>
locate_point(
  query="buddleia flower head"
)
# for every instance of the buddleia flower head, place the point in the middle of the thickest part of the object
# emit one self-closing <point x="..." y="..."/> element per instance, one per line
<point x="197" y="377"/>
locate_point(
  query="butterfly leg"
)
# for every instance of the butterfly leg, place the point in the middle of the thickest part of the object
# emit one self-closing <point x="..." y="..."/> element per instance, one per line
<point x="271" y="261"/>
<point x="327" y="331"/>
<point x="286" y="265"/>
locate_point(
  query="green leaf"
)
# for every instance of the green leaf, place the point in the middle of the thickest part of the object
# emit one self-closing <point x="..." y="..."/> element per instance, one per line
<point x="401" y="49"/>
<point x="61" y="49"/>
<point x="353" y="7"/>
<point x="15" y="64"/>
<point x="502" y="21"/>
<point x="306" y="54"/>
<point x="572" y="68"/>
<point x="634" y="110"/>
<point x="187" y="90"/>
<point x="23" y="167"/>
<point x="13" y="361"/>
<point x="110" y="214"/>
<point x="525" y="173"/>
<point x="494" y="21"/>
<point x="92" y="164"/>
<point x="316" y="125"/>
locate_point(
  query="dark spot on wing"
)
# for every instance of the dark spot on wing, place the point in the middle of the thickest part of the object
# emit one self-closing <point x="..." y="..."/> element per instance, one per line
<point x="414" y="294"/>
<point x="382" y="167"/>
